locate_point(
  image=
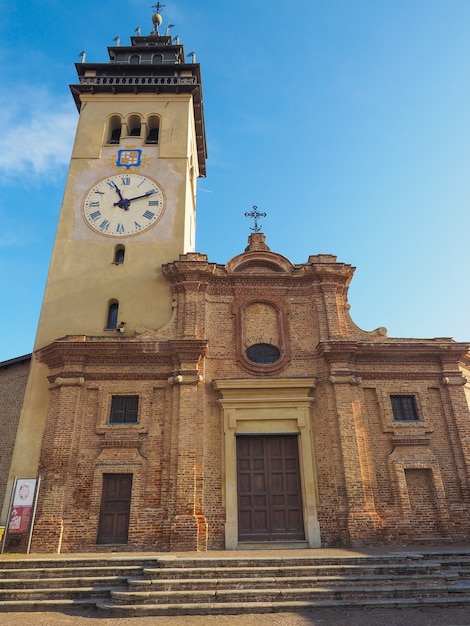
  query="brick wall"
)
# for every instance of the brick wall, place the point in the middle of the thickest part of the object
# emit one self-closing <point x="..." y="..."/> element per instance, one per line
<point x="369" y="470"/>
<point x="13" y="379"/>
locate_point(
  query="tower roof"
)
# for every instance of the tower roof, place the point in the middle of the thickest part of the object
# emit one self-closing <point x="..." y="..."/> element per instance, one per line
<point x="153" y="63"/>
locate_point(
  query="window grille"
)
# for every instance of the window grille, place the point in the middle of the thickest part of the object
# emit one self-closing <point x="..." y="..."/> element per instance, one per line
<point x="404" y="409"/>
<point x="124" y="409"/>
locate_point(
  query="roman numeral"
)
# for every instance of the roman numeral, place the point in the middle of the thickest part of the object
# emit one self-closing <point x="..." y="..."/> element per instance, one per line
<point x="104" y="225"/>
<point x="120" y="228"/>
<point x="111" y="184"/>
<point x="100" y="192"/>
<point x="149" y="215"/>
<point x="126" y="180"/>
<point x="154" y="202"/>
<point x="137" y="225"/>
<point x="94" y="216"/>
<point x="94" y="204"/>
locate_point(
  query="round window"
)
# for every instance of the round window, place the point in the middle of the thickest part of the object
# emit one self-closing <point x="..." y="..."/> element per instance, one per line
<point x="263" y="353"/>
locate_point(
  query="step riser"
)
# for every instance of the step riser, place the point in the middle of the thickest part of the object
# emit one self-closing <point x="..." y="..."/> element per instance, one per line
<point x="276" y="584"/>
<point x="268" y="563"/>
<point x="32" y="574"/>
<point x="294" y="595"/>
<point x="60" y="594"/>
<point x="75" y="564"/>
<point x="261" y="607"/>
<point x="178" y="574"/>
<point x="61" y="584"/>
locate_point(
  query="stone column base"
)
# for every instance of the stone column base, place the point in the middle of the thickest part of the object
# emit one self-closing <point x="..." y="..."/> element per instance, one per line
<point x="188" y="533"/>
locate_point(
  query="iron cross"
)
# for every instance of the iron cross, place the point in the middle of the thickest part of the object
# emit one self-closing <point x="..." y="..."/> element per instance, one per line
<point x="255" y="214"/>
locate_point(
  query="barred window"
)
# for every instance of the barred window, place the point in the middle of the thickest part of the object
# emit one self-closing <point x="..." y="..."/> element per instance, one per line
<point x="124" y="409"/>
<point x="404" y="409"/>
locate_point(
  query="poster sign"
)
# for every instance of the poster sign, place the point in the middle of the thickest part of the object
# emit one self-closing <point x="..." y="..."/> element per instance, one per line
<point x="22" y="505"/>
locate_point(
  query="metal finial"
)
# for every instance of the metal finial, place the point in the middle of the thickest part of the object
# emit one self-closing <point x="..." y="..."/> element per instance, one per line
<point x="137" y="30"/>
<point x="83" y="55"/>
<point x="167" y="32"/>
<point x="117" y="39"/>
<point x="156" y="17"/>
<point x="193" y="56"/>
<point x="255" y="214"/>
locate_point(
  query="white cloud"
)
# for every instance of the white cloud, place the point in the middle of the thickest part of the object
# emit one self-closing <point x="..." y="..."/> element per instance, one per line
<point x="36" y="134"/>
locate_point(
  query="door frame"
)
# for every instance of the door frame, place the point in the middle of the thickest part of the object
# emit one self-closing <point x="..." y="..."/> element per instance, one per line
<point x="268" y="406"/>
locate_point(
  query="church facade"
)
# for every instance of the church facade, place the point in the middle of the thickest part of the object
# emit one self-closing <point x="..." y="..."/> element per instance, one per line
<point x="179" y="404"/>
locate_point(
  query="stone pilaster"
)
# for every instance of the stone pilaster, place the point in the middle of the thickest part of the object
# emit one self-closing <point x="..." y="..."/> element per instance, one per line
<point x="55" y="463"/>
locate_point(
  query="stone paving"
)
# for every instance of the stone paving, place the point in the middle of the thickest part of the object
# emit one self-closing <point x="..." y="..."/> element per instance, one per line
<point x="454" y="616"/>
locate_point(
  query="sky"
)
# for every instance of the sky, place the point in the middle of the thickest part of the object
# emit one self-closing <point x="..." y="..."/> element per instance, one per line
<point x="346" y="121"/>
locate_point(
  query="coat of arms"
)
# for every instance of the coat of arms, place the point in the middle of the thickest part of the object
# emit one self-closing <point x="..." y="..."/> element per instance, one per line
<point x="129" y="158"/>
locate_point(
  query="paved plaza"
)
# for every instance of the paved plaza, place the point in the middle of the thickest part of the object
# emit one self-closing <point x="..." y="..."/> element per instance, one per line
<point x="454" y="616"/>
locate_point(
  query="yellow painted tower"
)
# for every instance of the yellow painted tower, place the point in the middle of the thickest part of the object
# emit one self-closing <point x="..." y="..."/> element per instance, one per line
<point x="129" y="206"/>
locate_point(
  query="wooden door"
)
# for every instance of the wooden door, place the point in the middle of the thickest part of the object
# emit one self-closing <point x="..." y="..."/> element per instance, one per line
<point x="269" y="491"/>
<point x="115" y="508"/>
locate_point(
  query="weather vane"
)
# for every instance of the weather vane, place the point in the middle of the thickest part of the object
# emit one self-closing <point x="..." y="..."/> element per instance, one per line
<point x="255" y="214"/>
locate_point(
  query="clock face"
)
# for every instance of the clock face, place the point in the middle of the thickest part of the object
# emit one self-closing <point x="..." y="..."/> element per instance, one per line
<point x="123" y="205"/>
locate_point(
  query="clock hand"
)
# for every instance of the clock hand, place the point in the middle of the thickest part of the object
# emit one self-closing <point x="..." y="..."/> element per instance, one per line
<point x="149" y="193"/>
<point x="122" y="203"/>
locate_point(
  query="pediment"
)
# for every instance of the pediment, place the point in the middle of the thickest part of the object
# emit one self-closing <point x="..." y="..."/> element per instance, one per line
<point x="259" y="262"/>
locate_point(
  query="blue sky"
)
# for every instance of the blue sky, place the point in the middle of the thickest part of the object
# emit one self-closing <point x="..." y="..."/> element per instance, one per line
<point x="346" y="121"/>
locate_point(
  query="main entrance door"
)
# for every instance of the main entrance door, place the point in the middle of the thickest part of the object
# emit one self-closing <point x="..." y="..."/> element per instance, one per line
<point x="269" y="492"/>
<point x="115" y="508"/>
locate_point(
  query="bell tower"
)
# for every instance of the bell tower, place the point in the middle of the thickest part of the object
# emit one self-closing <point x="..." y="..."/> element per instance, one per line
<point x="129" y="207"/>
<point x="129" y="202"/>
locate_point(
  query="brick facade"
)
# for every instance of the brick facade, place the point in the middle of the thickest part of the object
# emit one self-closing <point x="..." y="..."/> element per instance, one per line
<point x="367" y="478"/>
<point x="13" y="379"/>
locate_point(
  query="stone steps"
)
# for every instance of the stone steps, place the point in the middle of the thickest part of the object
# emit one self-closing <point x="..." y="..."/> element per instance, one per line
<point x="272" y="594"/>
<point x="57" y="593"/>
<point x="7" y="575"/>
<point x="206" y="585"/>
<point x="221" y="584"/>
<point x="234" y="608"/>
<point x="61" y="583"/>
<point x="303" y="582"/>
<point x="215" y="571"/>
<point x="9" y="585"/>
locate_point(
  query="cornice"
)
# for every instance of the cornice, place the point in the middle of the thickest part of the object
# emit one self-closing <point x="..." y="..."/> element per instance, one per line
<point x="443" y="349"/>
<point x="255" y="267"/>
<point x="82" y="351"/>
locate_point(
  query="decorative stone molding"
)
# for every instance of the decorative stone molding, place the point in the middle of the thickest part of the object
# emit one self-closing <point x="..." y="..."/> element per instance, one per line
<point x="455" y="380"/>
<point x="186" y="380"/>
<point x="346" y="380"/>
<point x="410" y="440"/>
<point x="268" y="406"/>
<point x="61" y="381"/>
